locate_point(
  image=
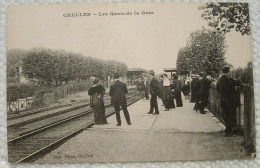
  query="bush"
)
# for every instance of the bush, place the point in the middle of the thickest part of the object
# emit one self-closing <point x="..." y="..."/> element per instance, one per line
<point x="245" y="75"/>
<point x="20" y="91"/>
<point x="12" y="81"/>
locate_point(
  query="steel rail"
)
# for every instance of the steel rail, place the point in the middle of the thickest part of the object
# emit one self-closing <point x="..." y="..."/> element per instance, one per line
<point x="49" y="115"/>
<point x="61" y="140"/>
<point x="35" y="111"/>
<point x="32" y="132"/>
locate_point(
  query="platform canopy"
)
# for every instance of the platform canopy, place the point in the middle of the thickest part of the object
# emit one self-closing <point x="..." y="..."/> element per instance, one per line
<point x="137" y="70"/>
<point x="170" y="69"/>
<point x="135" y="73"/>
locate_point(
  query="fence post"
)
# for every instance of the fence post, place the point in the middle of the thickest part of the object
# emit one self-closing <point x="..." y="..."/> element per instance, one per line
<point x="246" y="105"/>
<point x="238" y="124"/>
<point x="249" y="114"/>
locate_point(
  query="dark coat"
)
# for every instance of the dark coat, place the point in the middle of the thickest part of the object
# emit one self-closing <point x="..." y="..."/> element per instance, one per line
<point x="154" y="86"/>
<point x="118" y="93"/>
<point x="96" y="94"/>
<point x="195" y="87"/>
<point x="193" y="84"/>
<point x="97" y="89"/>
<point x="228" y="94"/>
<point x="176" y="85"/>
<point x="204" y="87"/>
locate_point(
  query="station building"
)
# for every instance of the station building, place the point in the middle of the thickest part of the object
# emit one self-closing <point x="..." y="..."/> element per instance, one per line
<point x="135" y="73"/>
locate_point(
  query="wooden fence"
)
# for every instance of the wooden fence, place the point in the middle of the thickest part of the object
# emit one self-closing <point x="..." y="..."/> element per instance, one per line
<point x="245" y="113"/>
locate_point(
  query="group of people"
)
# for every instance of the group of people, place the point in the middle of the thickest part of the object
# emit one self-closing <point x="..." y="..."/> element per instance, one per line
<point x="168" y="90"/>
<point x="226" y="87"/>
<point x="200" y="91"/>
<point x="117" y="92"/>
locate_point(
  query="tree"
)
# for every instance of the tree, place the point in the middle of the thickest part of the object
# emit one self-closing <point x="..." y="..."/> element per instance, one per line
<point x="204" y="51"/>
<point x="14" y="58"/>
<point x="226" y="16"/>
<point x="55" y="66"/>
<point x="245" y="75"/>
<point x="184" y="60"/>
<point x="39" y="64"/>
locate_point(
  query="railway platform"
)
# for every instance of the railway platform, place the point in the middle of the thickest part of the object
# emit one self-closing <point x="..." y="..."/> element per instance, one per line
<point x="178" y="134"/>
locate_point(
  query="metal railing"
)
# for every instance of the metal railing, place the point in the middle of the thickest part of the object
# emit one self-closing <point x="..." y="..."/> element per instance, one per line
<point x="245" y="113"/>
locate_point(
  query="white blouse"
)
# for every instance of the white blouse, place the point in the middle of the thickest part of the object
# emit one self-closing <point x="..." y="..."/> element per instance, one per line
<point x="166" y="82"/>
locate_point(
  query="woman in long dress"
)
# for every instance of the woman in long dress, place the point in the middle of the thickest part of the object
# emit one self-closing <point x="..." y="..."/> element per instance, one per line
<point x="176" y="85"/>
<point x="167" y="94"/>
<point x="96" y="93"/>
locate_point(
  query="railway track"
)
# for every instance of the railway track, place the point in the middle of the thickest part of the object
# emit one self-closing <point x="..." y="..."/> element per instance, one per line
<point x="33" y="144"/>
<point x="41" y="110"/>
<point x="48" y="115"/>
<point x="30" y="124"/>
<point x="35" y="111"/>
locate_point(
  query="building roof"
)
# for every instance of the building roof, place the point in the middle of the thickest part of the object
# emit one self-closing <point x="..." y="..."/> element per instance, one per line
<point x="137" y="70"/>
<point x="170" y="69"/>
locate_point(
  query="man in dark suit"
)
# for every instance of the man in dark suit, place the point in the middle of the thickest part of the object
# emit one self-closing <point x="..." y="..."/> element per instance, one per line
<point x="154" y="91"/>
<point x="118" y="93"/>
<point x="194" y="89"/>
<point x="204" y="92"/>
<point x="228" y="102"/>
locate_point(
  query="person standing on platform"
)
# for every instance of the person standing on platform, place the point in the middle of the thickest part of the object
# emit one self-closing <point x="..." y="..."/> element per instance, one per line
<point x="160" y="94"/>
<point x="146" y="88"/>
<point x="154" y="91"/>
<point x="96" y="93"/>
<point x="226" y="87"/>
<point x="176" y="86"/>
<point x="118" y="93"/>
<point x="167" y="96"/>
<point x="172" y="94"/>
<point x="204" y="92"/>
<point x="194" y="90"/>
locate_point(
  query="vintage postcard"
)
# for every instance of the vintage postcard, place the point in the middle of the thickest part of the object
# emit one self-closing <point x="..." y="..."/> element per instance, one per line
<point x="129" y="82"/>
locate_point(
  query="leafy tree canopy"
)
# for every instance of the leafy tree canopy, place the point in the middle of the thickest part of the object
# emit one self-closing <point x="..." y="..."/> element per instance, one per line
<point x="226" y="16"/>
<point x="204" y="51"/>
<point x="14" y="58"/>
<point x="48" y="66"/>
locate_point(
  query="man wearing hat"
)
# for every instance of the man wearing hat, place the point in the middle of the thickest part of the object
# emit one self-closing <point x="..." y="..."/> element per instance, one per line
<point x="118" y="93"/>
<point x="228" y="102"/>
<point x="154" y="91"/>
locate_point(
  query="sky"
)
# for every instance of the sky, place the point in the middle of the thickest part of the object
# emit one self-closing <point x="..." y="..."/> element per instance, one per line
<point x="149" y="41"/>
